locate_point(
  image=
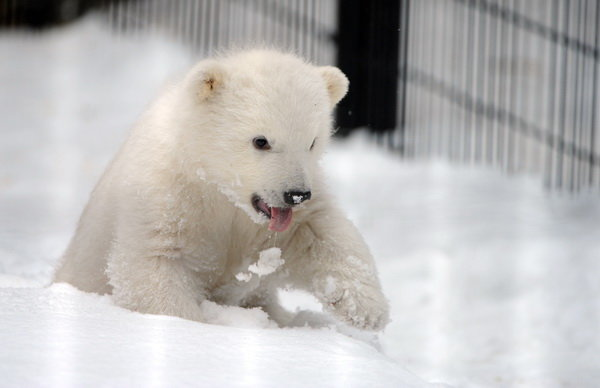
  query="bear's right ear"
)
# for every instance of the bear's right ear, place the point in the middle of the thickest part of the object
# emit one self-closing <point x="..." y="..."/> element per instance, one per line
<point x="207" y="79"/>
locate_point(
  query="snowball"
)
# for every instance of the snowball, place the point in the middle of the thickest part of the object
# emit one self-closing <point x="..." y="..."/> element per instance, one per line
<point x="268" y="261"/>
<point x="243" y="276"/>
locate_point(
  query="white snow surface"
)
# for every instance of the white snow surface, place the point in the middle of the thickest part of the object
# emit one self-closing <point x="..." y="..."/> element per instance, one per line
<point x="492" y="281"/>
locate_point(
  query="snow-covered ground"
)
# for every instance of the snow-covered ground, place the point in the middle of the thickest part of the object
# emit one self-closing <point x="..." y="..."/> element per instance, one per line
<point x="492" y="281"/>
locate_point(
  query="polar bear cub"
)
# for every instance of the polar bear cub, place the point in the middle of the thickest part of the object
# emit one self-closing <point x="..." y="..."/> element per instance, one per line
<point x="221" y="172"/>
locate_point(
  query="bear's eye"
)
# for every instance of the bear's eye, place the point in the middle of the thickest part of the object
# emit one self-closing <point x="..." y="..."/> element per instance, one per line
<point x="313" y="144"/>
<point x="261" y="143"/>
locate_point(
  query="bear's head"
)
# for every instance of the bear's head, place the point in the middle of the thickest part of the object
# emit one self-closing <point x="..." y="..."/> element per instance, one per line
<point x="256" y="125"/>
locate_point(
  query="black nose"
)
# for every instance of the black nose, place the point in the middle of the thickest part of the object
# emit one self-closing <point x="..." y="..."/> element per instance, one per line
<point x="296" y="197"/>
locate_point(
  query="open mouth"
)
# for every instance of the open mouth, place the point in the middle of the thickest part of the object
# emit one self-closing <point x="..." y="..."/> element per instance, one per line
<point x="280" y="218"/>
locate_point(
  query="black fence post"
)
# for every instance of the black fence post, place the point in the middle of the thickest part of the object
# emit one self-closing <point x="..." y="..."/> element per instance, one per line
<point x="368" y="48"/>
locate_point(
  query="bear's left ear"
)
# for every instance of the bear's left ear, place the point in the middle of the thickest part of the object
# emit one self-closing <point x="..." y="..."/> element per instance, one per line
<point x="207" y="79"/>
<point x="336" y="82"/>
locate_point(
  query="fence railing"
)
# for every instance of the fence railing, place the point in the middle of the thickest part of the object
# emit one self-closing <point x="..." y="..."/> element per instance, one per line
<point x="513" y="84"/>
<point x="306" y="27"/>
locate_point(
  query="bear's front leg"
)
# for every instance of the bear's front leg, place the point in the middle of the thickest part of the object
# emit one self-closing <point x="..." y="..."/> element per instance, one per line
<point x="152" y="282"/>
<point x="334" y="263"/>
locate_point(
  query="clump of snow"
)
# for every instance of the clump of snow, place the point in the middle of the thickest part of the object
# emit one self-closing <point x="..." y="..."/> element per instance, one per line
<point x="268" y="262"/>
<point x="243" y="276"/>
<point x="235" y="316"/>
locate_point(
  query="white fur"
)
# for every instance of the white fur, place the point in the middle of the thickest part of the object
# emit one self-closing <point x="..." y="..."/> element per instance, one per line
<point x="171" y="223"/>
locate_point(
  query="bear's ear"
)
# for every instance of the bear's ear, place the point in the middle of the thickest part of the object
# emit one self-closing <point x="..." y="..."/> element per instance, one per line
<point x="336" y="82"/>
<point x="207" y="79"/>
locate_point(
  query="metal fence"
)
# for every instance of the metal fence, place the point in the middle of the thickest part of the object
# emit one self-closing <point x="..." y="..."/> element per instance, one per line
<point x="507" y="83"/>
<point x="306" y="27"/>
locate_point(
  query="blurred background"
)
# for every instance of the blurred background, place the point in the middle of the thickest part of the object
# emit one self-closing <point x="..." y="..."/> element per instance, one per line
<point x="468" y="154"/>
<point x="511" y="84"/>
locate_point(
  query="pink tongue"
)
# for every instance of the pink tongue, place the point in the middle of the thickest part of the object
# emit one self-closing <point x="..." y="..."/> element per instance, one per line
<point x="280" y="218"/>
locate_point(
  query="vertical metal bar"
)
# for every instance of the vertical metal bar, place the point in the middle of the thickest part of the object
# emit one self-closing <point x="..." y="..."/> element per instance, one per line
<point x="469" y="69"/>
<point x="403" y="61"/>
<point x="211" y="26"/>
<point x="454" y="76"/>
<point x="180" y="19"/>
<point x="474" y="92"/>
<point x="420" y="66"/>
<point x="513" y="95"/>
<point x="433" y="59"/>
<point x="195" y="23"/>
<point x="278" y="23"/>
<point x="491" y="88"/>
<point x="464" y="67"/>
<point x="594" y="104"/>
<point x="582" y="116"/>
<point x="263" y="20"/>
<point x="226" y="26"/>
<point x="216" y="25"/>
<point x="586" y="98"/>
<point x="519" y="90"/>
<point x="482" y="85"/>
<point x="504" y="85"/>
<point x="187" y="22"/>
<point x="312" y="15"/>
<point x="412" y="45"/>
<point x="570" y="99"/>
<point x="437" y="21"/>
<point x="550" y="58"/>
<point x="496" y="96"/>
<point x="303" y="27"/>
<point x="444" y="59"/>
<point x="319" y="5"/>
<point x="110" y="16"/>
<point x="286" y="25"/>
<point x="576" y="100"/>
<point x="562" y="106"/>
<point x="553" y="60"/>
<point x="297" y="26"/>
<point x="117" y="20"/>
<point x="304" y="30"/>
<point x="526" y="79"/>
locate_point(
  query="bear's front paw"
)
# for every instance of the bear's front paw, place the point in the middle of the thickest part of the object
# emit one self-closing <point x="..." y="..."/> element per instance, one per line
<point x="360" y="304"/>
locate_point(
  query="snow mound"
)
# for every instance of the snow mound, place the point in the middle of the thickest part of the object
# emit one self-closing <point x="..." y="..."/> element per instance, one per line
<point x="60" y="336"/>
